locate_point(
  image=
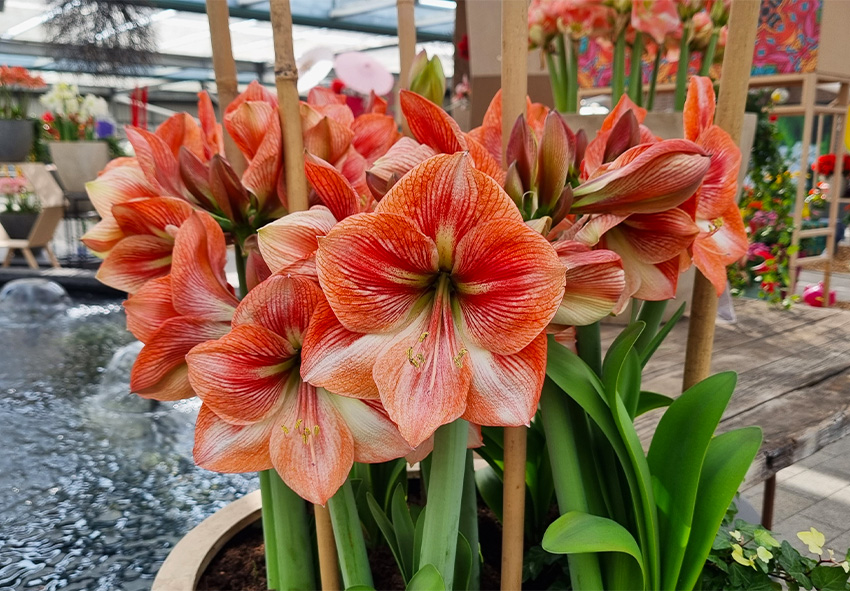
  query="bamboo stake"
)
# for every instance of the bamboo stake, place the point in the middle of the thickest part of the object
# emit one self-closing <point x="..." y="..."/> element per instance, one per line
<point x="514" y="91"/>
<point x="225" y="74"/>
<point x="737" y="63"/>
<point x="406" y="51"/>
<point x="286" y="79"/>
<point x="327" y="554"/>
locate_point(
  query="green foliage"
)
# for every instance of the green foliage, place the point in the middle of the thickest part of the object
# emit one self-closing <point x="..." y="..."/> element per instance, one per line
<point x="747" y="556"/>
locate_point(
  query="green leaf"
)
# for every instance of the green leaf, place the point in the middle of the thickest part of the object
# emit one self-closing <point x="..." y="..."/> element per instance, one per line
<point x="628" y="383"/>
<point x="386" y="528"/>
<point x="726" y="463"/>
<point x="404" y="531"/>
<point x="661" y="335"/>
<point x="763" y="538"/>
<point x="829" y="578"/>
<point x="676" y="457"/>
<point x="360" y="588"/>
<point x="616" y="357"/>
<point x="579" y="533"/>
<point x="417" y="538"/>
<point x="463" y="564"/>
<point x="490" y="488"/>
<point x="650" y="401"/>
<point x="427" y="578"/>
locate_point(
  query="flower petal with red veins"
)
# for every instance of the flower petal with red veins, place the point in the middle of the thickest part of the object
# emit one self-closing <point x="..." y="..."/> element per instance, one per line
<point x="374" y="134"/>
<point x="157" y="161"/>
<point x="373" y="269"/>
<point x="698" y="114"/>
<point x="264" y="170"/>
<point x="506" y="388"/>
<point x="485" y="162"/>
<point x="720" y="185"/>
<point x="151" y="216"/>
<point x="241" y="376"/>
<point x="311" y="447"/>
<point x="333" y="189"/>
<point x="292" y="240"/>
<point x="509" y="283"/>
<point x="655" y="238"/>
<point x="445" y="197"/>
<point x="338" y="359"/>
<point x="181" y="130"/>
<point x="404" y="155"/>
<point x="376" y="438"/>
<point x="223" y="447"/>
<point x="199" y="284"/>
<point x="134" y="261"/>
<point x="248" y="125"/>
<point x="595" y="283"/>
<point x="160" y="370"/>
<point x="724" y="243"/>
<point x="149" y="308"/>
<point x="430" y="124"/>
<point x="103" y="237"/>
<point x="118" y="185"/>
<point x="353" y="168"/>
<point x="320" y="96"/>
<point x="211" y="132"/>
<point x="282" y="304"/>
<point x="423" y="374"/>
<point x="328" y="139"/>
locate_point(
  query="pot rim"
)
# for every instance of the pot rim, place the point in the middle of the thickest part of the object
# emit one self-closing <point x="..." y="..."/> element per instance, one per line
<point x="188" y="560"/>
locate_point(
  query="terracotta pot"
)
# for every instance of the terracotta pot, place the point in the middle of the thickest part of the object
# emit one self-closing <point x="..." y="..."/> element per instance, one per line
<point x="185" y="564"/>
<point x="15" y="139"/>
<point x="18" y="225"/>
<point x="78" y="162"/>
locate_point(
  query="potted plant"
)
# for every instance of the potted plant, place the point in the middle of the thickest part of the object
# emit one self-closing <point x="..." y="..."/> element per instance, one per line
<point x="76" y="148"/>
<point x="16" y="130"/>
<point x="20" y="206"/>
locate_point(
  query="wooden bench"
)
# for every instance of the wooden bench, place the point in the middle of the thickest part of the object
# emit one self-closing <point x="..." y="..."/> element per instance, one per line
<point x="793" y="381"/>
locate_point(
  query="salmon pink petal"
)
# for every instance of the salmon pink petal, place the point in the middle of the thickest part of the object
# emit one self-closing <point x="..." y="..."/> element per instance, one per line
<point x="160" y="370"/>
<point x="445" y="197"/>
<point x="338" y="359"/>
<point x="374" y="134"/>
<point x="151" y="216"/>
<point x="254" y="92"/>
<point x="149" y="308"/>
<point x="311" y="447"/>
<point x="564" y="335"/>
<point x="211" y="132"/>
<point x="404" y="155"/>
<point x="199" y="284"/>
<point x="720" y="185"/>
<point x="624" y="105"/>
<point x="660" y="236"/>
<point x="658" y="282"/>
<point x="118" y="185"/>
<point x="485" y="162"/>
<point x="376" y="438"/>
<point x="241" y="376"/>
<point x="595" y="282"/>
<point x="423" y="374"/>
<point x="373" y="269"/>
<point x="490" y="133"/>
<point x="282" y="304"/>
<point x="509" y="282"/>
<point x="249" y="123"/>
<point x="223" y="447"/>
<point x="328" y="139"/>
<point x="289" y="244"/>
<point x="134" y="261"/>
<point x="430" y="124"/>
<point x="505" y="388"/>
<point x="103" y="237"/>
<point x="320" y="96"/>
<point x="698" y="113"/>
<point x="264" y="170"/>
<point x="181" y="130"/>
<point x="157" y="161"/>
<point x="591" y="231"/>
<point x="332" y="187"/>
<point x="724" y="242"/>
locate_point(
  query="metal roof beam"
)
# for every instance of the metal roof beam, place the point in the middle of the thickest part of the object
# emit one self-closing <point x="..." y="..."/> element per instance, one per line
<point x="355" y="8"/>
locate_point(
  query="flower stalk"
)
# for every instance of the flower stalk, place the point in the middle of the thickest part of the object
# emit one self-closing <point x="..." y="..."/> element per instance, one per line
<point x="350" y="546"/>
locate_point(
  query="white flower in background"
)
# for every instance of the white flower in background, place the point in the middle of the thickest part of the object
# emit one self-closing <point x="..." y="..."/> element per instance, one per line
<point x="93" y="106"/>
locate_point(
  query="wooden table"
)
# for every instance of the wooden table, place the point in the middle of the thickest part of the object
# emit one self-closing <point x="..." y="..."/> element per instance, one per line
<point x="793" y="381"/>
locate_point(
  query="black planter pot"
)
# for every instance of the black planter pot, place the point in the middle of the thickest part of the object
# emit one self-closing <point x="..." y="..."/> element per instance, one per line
<point x="16" y="137"/>
<point x="18" y="225"/>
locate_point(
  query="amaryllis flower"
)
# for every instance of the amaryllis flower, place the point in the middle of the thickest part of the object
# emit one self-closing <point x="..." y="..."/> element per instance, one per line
<point x="722" y="239"/>
<point x="656" y="18"/>
<point x="257" y="411"/>
<point x="172" y="314"/>
<point x="437" y="303"/>
<point x="489" y="133"/>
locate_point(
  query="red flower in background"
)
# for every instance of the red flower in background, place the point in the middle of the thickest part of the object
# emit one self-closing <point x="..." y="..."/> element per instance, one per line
<point x="463" y="47"/>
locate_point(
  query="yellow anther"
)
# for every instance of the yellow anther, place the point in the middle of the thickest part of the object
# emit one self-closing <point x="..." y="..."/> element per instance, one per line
<point x="458" y="359"/>
<point x="423" y="336"/>
<point x="316" y="430"/>
<point x="298" y="424"/>
<point x="285" y="430"/>
<point x="415" y="360"/>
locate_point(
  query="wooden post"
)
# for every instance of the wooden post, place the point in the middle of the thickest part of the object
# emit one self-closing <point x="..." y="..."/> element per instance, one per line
<point x="225" y="74"/>
<point x="406" y="52"/>
<point x="837" y="140"/>
<point x="734" y="79"/>
<point x="327" y="549"/>
<point x="807" y="100"/>
<point x="514" y="91"/>
<point x="286" y="82"/>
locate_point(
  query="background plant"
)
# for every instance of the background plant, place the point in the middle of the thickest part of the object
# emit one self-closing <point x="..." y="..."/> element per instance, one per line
<point x="72" y="116"/>
<point x="17" y="197"/>
<point x="16" y="86"/>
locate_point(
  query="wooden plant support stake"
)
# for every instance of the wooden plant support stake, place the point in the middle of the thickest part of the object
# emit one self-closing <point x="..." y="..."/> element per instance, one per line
<point x="734" y="84"/>
<point x="328" y="559"/>
<point x="225" y="74"/>
<point x="514" y="91"/>
<point x="289" y="106"/>
<point x="406" y="51"/>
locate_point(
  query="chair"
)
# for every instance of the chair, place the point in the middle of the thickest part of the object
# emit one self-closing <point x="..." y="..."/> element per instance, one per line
<point x="40" y="237"/>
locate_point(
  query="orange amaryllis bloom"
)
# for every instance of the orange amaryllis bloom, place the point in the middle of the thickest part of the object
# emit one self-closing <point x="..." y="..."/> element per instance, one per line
<point x="722" y="239"/>
<point x="602" y="145"/>
<point x="595" y="283"/>
<point x="260" y="413"/>
<point x="489" y="133"/>
<point x="172" y="314"/>
<point x="437" y="303"/>
<point x="144" y="251"/>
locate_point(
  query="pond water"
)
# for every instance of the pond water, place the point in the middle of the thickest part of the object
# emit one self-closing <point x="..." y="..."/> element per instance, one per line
<point x="96" y="485"/>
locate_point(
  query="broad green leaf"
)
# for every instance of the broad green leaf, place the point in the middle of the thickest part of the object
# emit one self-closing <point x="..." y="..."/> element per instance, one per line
<point x="650" y="401"/>
<point x="829" y="578"/>
<point x="463" y="564"/>
<point x="370" y="527"/>
<point x="403" y="526"/>
<point x="762" y="536"/>
<point x="386" y="528"/>
<point x="676" y="457"/>
<point x="661" y="335"/>
<point x="490" y="488"/>
<point x="417" y="538"/>
<point x="726" y="463"/>
<point x="360" y="588"/>
<point x="580" y="533"/>
<point x="427" y="578"/>
<point x="397" y="476"/>
<point x="628" y="384"/>
<point x="616" y="357"/>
